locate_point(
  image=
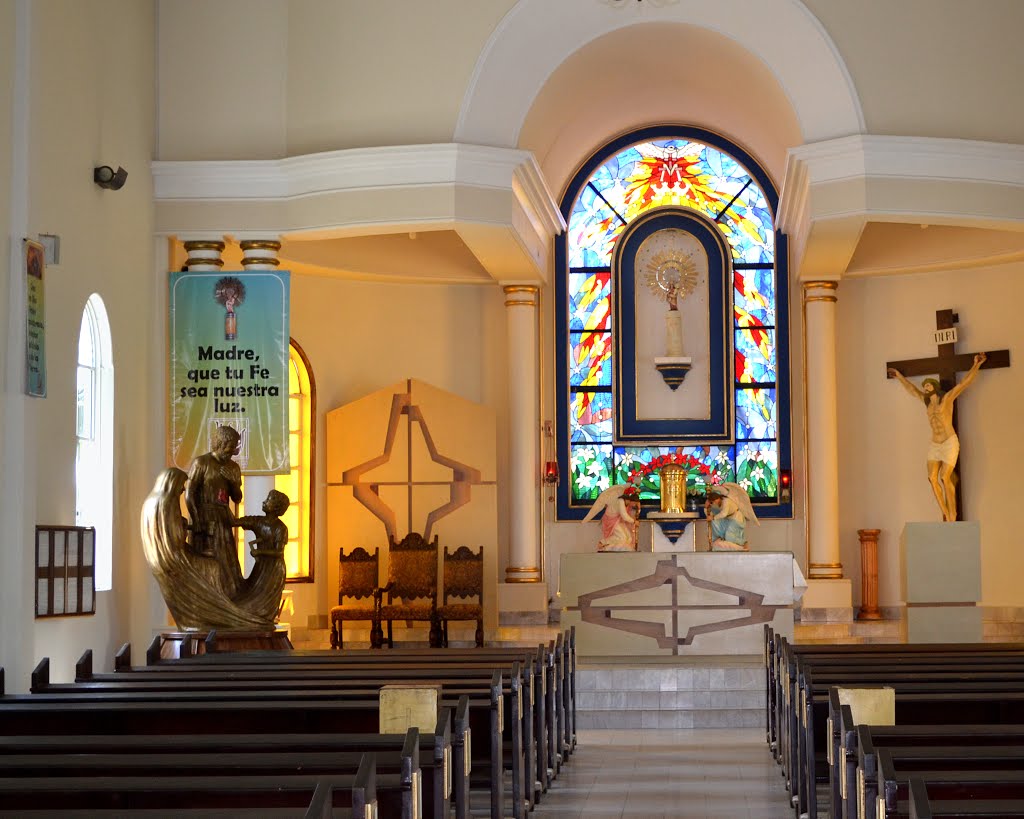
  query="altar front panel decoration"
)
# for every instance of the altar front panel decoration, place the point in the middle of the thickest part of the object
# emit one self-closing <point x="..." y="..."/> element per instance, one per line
<point x="228" y="365"/>
<point x="413" y="458"/>
<point x="677" y="603"/>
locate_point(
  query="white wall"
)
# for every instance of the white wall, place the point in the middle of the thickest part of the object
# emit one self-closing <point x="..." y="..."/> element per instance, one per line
<point x="883" y="433"/>
<point x="90" y="104"/>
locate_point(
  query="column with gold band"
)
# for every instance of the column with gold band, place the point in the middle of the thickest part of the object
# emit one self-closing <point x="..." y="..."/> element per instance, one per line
<point x="523" y="425"/>
<point x="204" y="254"/>
<point x="822" y="430"/>
<point x="258" y="254"/>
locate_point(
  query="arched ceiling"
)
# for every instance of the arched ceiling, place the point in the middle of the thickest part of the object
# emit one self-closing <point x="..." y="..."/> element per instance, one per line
<point x="653" y="73"/>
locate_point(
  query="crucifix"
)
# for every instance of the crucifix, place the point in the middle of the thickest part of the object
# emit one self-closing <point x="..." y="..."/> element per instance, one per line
<point x="939" y="396"/>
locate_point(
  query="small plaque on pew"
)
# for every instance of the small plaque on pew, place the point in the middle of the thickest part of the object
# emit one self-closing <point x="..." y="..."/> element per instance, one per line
<point x="870" y="706"/>
<point x="408" y="706"/>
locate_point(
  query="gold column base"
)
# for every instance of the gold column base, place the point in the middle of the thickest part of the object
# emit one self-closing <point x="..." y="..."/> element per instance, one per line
<point x="512" y="574"/>
<point x="825" y="571"/>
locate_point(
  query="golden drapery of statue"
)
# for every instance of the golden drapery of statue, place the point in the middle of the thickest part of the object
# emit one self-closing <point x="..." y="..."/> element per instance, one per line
<point x="199" y="576"/>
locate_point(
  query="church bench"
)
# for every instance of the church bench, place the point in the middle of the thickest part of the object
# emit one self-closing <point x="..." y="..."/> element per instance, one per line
<point x="781" y="657"/>
<point x="917" y="701"/>
<point x="921" y="805"/>
<point x="844" y="744"/>
<point x="550" y="701"/>
<point x="398" y="775"/>
<point x="430" y="754"/>
<point x="854" y="759"/>
<point x="968" y="774"/>
<point x="520" y="750"/>
<point x="319" y="796"/>
<point x="269" y="712"/>
<point x="560" y="660"/>
<point x="784" y="656"/>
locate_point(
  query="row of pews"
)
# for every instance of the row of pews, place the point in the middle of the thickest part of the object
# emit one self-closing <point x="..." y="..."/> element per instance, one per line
<point x="955" y="748"/>
<point x="291" y="733"/>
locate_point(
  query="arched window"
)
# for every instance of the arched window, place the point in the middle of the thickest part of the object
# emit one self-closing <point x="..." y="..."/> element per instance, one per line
<point x="298" y="483"/>
<point x="626" y="209"/>
<point x="94" y="430"/>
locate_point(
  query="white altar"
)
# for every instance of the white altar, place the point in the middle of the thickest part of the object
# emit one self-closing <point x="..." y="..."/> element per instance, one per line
<point x="677" y="603"/>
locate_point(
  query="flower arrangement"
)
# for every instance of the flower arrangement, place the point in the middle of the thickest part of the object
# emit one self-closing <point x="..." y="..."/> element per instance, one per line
<point x="699" y="474"/>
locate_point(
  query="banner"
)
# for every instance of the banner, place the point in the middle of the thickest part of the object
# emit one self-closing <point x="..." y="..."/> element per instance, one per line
<point x="229" y="365"/>
<point x="35" y="321"/>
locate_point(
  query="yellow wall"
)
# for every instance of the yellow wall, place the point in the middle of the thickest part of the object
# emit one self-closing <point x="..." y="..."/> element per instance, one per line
<point x="884" y="433"/>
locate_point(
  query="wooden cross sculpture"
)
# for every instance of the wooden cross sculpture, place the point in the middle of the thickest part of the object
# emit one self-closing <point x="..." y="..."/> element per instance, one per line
<point x="939" y="396"/>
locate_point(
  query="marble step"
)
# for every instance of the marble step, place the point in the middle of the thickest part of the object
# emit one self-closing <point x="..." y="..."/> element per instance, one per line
<point x="672" y="696"/>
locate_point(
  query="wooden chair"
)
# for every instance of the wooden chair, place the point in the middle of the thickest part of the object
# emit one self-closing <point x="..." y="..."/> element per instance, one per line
<point x="463" y="578"/>
<point x="357" y="580"/>
<point x="412" y="579"/>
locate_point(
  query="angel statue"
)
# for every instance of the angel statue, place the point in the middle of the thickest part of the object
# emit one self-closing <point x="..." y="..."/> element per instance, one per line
<point x="621" y="507"/>
<point x="728" y="510"/>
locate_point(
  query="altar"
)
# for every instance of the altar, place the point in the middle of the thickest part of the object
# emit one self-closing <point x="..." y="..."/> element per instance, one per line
<point x="677" y="603"/>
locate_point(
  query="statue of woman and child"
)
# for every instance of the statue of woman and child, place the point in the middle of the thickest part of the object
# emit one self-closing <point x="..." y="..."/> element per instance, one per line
<point x="196" y="564"/>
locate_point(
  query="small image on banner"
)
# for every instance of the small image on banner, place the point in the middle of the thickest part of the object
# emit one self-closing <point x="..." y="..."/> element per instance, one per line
<point x="35" y="321"/>
<point x="229" y="365"/>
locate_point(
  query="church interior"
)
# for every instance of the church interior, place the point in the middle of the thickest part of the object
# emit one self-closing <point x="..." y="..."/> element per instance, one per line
<point x="478" y="206"/>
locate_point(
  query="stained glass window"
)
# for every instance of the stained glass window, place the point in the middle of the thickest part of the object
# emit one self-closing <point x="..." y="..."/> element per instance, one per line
<point x="690" y="169"/>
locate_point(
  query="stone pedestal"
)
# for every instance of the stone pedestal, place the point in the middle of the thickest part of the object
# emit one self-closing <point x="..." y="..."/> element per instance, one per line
<point x="629" y="604"/>
<point x="522" y="604"/>
<point x="940" y="565"/>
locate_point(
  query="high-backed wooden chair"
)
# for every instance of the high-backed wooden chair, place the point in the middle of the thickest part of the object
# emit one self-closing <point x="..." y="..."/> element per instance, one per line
<point x="358" y="576"/>
<point x="412" y="584"/>
<point x="463" y="578"/>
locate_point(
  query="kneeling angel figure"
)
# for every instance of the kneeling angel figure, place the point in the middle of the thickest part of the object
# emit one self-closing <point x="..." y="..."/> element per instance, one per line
<point x="728" y="510"/>
<point x="621" y="506"/>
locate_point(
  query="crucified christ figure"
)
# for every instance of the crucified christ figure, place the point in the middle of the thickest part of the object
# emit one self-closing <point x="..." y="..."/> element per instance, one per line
<point x="945" y="446"/>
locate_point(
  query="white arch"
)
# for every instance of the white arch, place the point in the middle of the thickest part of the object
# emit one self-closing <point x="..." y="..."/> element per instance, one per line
<point x="535" y="37"/>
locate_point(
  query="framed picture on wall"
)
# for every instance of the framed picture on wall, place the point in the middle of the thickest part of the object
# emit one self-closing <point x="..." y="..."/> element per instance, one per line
<point x="35" y="319"/>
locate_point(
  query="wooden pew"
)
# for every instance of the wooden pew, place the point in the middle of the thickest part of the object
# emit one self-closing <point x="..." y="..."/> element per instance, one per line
<point x="846" y="754"/>
<point x="923" y="806"/>
<point x="393" y="753"/>
<point x="541" y="718"/>
<point x="967" y="776"/>
<point x="559" y="666"/>
<point x="485" y="716"/>
<point x="348" y="682"/>
<point x="317" y="796"/>
<point x="793" y="666"/>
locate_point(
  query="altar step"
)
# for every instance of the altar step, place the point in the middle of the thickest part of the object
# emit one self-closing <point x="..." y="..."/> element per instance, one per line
<point x="698" y="692"/>
<point x="460" y="635"/>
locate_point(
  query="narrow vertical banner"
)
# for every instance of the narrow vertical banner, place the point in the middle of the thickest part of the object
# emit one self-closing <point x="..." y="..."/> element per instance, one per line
<point x="229" y="365"/>
<point x="35" y="320"/>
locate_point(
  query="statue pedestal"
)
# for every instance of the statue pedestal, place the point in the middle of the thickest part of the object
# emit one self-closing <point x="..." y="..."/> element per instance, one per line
<point x="940" y="565"/>
<point x="175" y="644"/>
<point x="675" y="526"/>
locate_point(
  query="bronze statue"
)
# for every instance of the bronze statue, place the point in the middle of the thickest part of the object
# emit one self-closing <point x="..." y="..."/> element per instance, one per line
<point x="201" y="579"/>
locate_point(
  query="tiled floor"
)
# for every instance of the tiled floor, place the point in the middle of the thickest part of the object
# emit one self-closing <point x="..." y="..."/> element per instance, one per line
<point x="716" y="773"/>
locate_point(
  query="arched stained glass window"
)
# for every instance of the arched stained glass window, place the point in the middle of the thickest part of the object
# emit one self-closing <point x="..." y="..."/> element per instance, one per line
<point x="298" y="483"/>
<point x="666" y="171"/>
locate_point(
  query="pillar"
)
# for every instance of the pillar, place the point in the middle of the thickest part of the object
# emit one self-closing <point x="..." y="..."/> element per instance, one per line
<point x="524" y="427"/>
<point x="827" y="589"/>
<point x="257" y="254"/>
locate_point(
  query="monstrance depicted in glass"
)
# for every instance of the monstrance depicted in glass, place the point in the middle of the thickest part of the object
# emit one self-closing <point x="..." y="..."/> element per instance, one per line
<point x="672" y="275"/>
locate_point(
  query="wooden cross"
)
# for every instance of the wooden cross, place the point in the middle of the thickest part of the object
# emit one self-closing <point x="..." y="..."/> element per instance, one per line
<point x="946" y="365"/>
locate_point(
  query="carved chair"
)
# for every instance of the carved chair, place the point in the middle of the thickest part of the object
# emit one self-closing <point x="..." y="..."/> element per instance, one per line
<point x="412" y="580"/>
<point x="463" y="578"/>
<point x="357" y="580"/>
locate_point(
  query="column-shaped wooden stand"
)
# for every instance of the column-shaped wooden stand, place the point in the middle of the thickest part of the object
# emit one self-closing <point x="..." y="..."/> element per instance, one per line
<point x="868" y="575"/>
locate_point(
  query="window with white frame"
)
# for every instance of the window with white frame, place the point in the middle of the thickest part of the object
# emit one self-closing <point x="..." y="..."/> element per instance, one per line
<point x="94" y="432"/>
